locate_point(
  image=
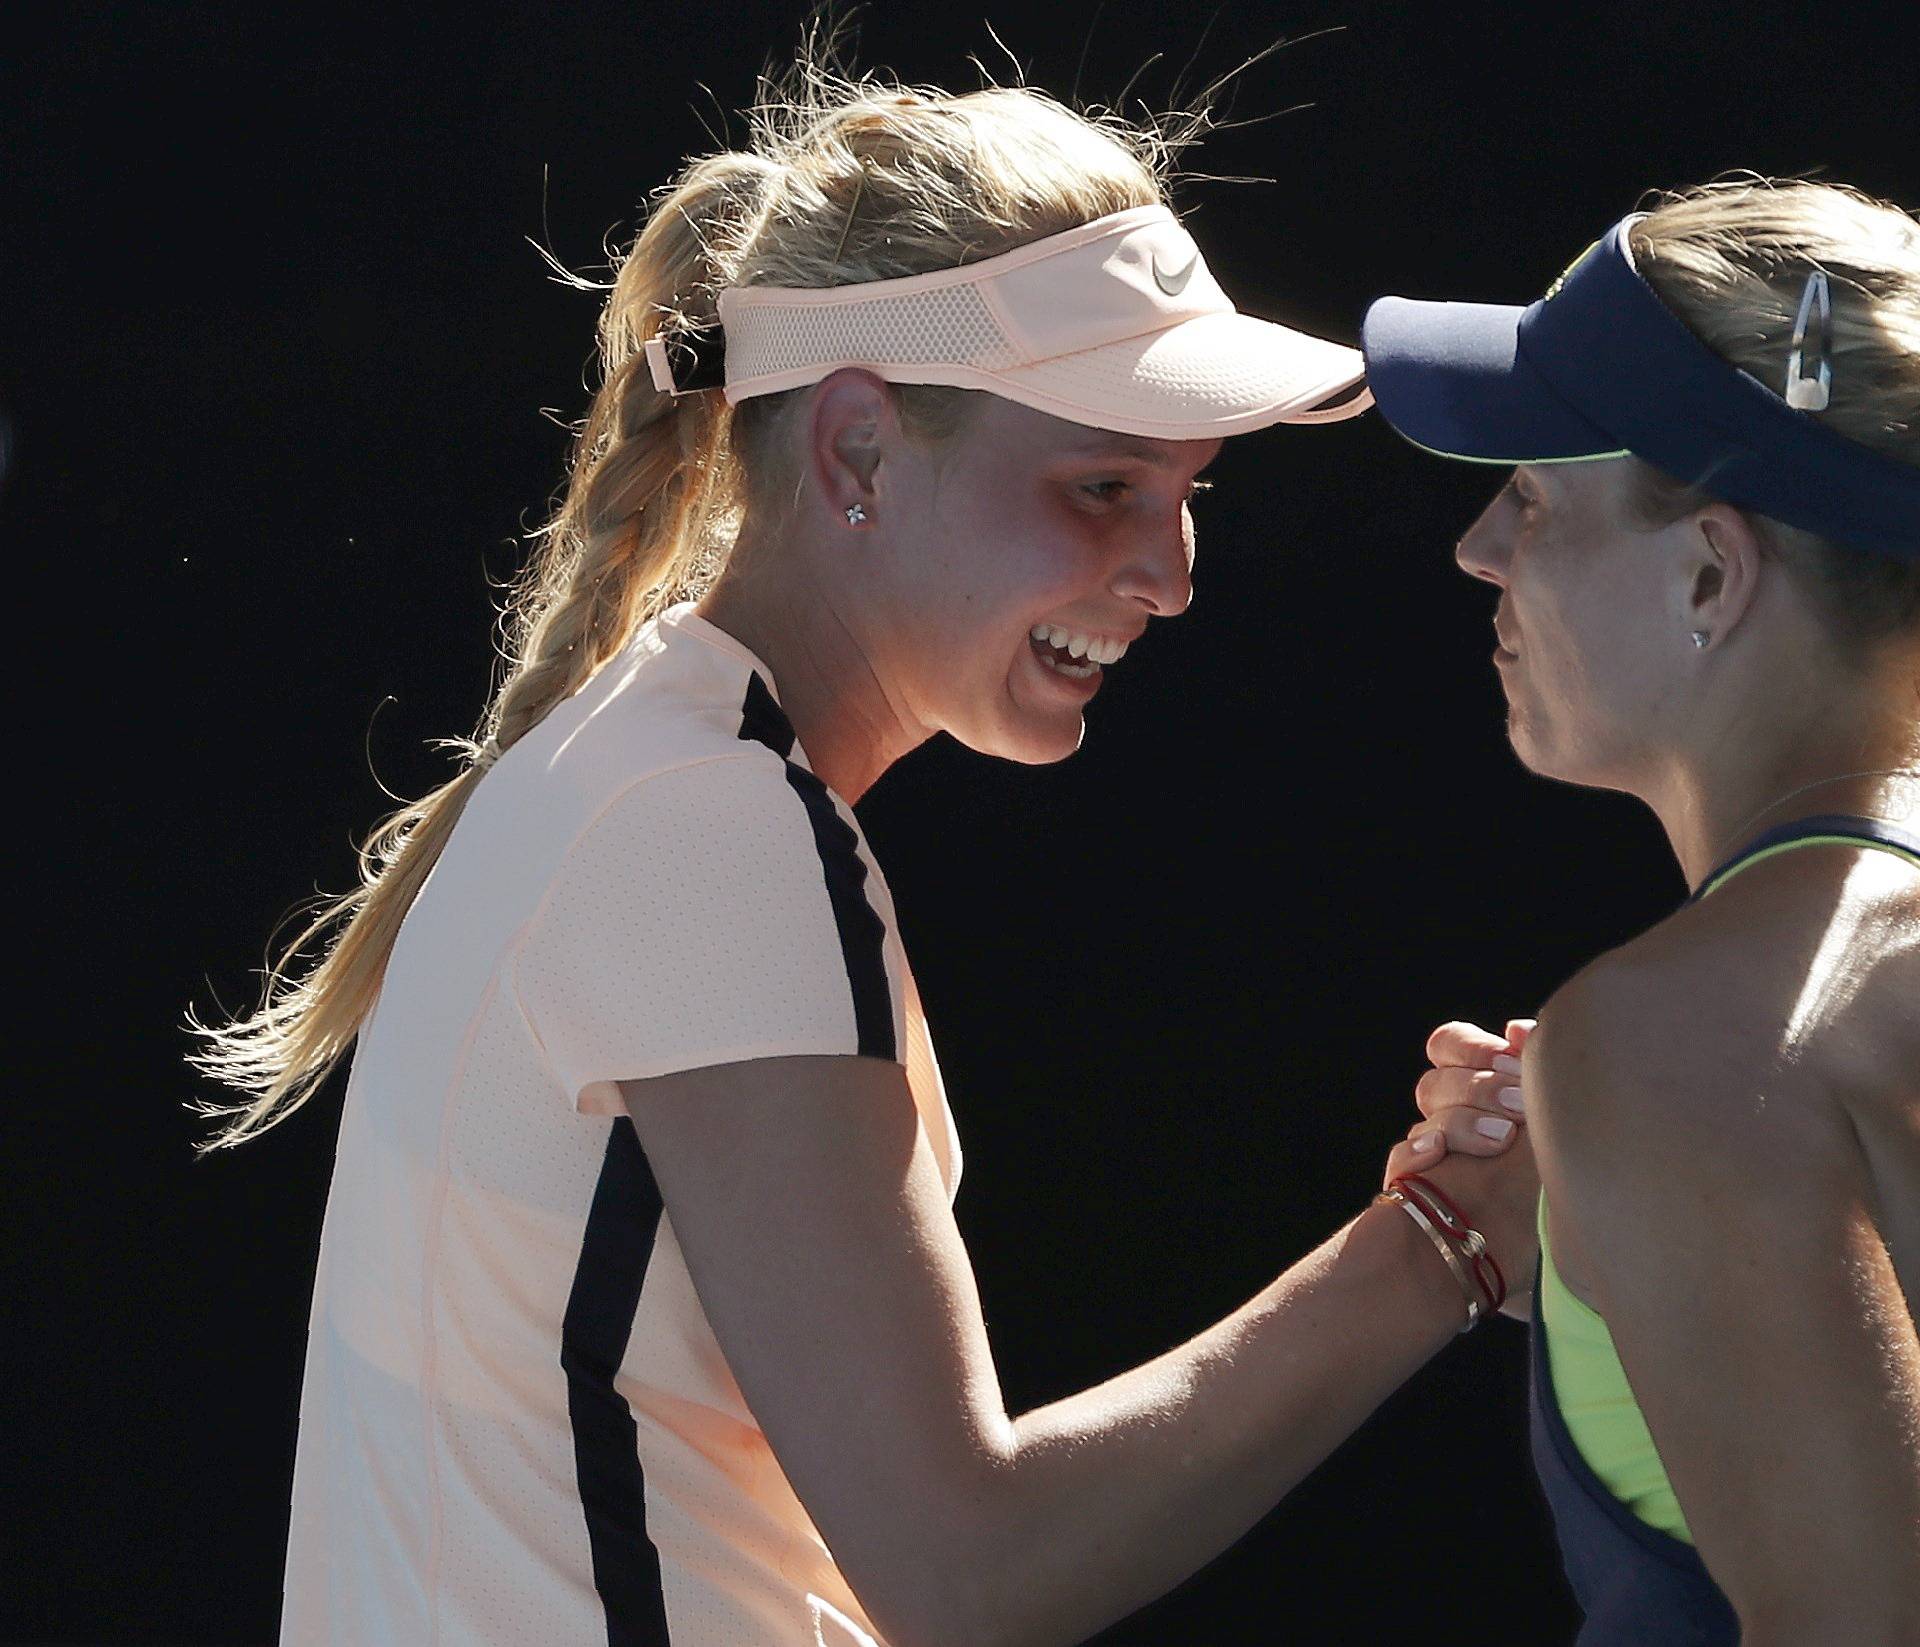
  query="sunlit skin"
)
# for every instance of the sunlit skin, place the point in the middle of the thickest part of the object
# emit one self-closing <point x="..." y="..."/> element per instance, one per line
<point x="1761" y="1259"/>
<point x="804" y="1190"/>
<point x="918" y="621"/>
<point x="1606" y="689"/>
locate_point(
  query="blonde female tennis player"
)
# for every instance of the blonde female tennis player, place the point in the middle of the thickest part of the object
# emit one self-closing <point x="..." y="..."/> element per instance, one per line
<point x="1708" y="559"/>
<point x="641" y="1314"/>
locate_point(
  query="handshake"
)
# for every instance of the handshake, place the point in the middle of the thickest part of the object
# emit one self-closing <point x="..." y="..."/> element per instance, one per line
<point x="1465" y="1170"/>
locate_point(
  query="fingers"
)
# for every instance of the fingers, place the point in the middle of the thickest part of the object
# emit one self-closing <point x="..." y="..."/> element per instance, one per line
<point x="1459" y="1129"/>
<point x="1471" y="1098"/>
<point x="1496" y="1090"/>
<point x="1402" y="1160"/>
<point x="1466" y="1045"/>
<point x="1467" y="1129"/>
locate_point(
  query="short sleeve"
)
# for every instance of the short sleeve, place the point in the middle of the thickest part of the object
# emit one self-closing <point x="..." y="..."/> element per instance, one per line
<point x="710" y="914"/>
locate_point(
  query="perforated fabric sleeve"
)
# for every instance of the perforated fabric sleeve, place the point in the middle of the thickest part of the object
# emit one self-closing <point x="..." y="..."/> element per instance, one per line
<point x="704" y="918"/>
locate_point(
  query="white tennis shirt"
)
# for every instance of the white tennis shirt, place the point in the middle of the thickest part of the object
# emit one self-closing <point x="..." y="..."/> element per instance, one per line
<point x="516" y="1425"/>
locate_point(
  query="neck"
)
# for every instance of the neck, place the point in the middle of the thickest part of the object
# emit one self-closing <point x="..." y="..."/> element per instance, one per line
<point x="826" y="682"/>
<point x="1716" y="798"/>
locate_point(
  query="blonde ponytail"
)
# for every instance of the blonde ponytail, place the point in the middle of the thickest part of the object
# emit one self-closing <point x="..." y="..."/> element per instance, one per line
<point x="846" y="180"/>
<point x="624" y="543"/>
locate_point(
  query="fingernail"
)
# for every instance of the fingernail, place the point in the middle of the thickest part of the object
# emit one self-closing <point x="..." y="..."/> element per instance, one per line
<point x="1510" y="1099"/>
<point x="1506" y="1064"/>
<point x="1427" y="1140"/>
<point x="1493" y="1126"/>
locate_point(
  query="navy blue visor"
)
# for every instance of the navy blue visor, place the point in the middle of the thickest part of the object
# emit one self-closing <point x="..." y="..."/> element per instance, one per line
<point x="1600" y="367"/>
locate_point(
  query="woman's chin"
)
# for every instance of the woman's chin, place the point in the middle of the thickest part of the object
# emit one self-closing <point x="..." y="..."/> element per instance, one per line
<point x="1525" y="743"/>
<point x="1045" y="751"/>
<point x="1044" y="718"/>
<point x="1559" y="759"/>
<point x="1029" y="740"/>
<point x="1026" y="733"/>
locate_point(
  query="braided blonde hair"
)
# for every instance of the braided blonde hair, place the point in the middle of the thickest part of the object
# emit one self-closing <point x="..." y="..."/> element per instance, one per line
<point x="845" y="179"/>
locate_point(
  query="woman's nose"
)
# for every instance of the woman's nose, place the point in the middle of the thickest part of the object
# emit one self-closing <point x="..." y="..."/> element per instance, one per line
<point x="1159" y="574"/>
<point x="1483" y="551"/>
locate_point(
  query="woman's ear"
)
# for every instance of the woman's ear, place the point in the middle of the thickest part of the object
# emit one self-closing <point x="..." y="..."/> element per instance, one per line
<point x="852" y="416"/>
<point x="1723" y="570"/>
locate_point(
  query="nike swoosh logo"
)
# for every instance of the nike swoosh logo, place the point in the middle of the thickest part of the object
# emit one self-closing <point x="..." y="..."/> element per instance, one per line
<point x="1175" y="283"/>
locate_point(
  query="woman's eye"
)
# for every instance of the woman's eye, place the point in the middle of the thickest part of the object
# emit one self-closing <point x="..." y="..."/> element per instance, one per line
<point x="1112" y="491"/>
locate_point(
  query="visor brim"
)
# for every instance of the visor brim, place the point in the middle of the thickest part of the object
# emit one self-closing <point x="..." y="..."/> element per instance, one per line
<point x="1452" y="378"/>
<point x="1206" y="378"/>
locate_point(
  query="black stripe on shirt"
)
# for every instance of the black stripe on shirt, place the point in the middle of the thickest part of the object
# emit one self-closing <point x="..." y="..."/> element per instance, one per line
<point x="862" y="932"/>
<point x="621" y="1225"/>
<point x="762" y="720"/>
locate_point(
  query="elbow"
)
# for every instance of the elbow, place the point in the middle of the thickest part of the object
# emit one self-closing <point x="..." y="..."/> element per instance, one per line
<point x="935" y="1554"/>
<point x="935" y="1614"/>
<point x="951" y="1593"/>
<point x="955" y="1580"/>
<point x="915" y="1622"/>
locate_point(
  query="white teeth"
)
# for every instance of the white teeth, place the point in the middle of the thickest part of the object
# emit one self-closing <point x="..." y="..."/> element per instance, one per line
<point x="1096" y="649"/>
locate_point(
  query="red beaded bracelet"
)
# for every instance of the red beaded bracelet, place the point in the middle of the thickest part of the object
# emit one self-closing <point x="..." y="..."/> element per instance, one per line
<point x="1440" y="1207"/>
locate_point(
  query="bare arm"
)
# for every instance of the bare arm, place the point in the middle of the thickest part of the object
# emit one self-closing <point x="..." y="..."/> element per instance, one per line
<point x="1749" y="1293"/>
<point x="819" y="1237"/>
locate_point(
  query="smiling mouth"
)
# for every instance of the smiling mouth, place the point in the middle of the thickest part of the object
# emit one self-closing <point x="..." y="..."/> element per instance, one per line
<point x="1072" y="652"/>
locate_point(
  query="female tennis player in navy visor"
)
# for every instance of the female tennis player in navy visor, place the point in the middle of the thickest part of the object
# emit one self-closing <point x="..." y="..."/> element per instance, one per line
<point x="1708" y="558"/>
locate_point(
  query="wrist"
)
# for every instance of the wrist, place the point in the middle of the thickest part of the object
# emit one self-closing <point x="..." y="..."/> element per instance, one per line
<point x="1453" y="1240"/>
<point x="1483" y="1279"/>
<point x="1425" y="1292"/>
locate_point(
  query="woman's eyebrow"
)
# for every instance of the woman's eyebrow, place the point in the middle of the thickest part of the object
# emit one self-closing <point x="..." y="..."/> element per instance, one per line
<point x="1125" y="446"/>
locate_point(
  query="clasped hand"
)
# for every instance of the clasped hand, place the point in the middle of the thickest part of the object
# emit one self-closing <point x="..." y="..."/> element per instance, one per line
<point x="1472" y="1141"/>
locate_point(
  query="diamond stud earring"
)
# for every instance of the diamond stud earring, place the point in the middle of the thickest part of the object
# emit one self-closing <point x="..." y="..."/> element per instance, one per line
<point x="856" y="514"/>
<point x="1699" y="638"/>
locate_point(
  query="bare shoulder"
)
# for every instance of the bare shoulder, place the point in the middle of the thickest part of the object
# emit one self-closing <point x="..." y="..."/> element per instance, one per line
<point x="1827" y="940"/>
<point x="1692" y="1102"/>
<point x="1776" y="1007"/>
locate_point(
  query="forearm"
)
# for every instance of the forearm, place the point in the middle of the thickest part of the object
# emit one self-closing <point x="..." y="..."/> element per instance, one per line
<point x="1111" y="1497"/>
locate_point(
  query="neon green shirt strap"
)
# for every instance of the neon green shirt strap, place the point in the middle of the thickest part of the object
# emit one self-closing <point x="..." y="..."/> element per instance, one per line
<point x="1597" y="1403"/>
<point x="1721" y="877"/>
<point x="1589" y="1383"/>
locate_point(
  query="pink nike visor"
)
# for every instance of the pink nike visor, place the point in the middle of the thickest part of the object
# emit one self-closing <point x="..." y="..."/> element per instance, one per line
<point x="1117" y="324"/>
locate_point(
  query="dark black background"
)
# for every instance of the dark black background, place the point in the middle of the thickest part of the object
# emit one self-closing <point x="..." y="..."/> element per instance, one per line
<point x="276" y="348"/>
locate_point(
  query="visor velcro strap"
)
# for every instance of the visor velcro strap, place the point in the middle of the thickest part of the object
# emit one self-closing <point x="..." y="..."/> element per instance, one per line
<point x="687" y="360"/>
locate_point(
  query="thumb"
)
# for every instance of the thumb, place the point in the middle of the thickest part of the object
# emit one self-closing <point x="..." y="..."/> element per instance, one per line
<point x="1518" y="1029"/>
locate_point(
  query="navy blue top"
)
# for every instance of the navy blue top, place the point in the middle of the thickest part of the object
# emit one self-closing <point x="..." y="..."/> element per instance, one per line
<point x="1637" y="1585"/>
